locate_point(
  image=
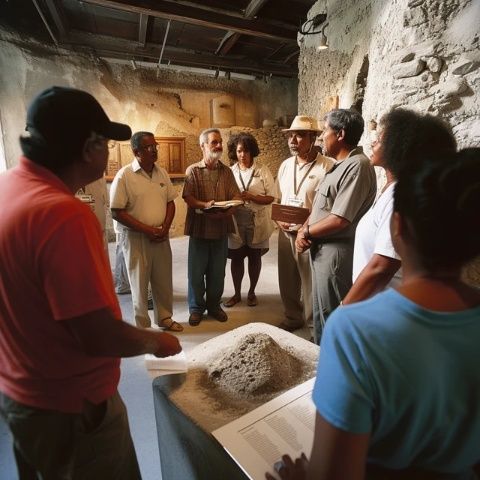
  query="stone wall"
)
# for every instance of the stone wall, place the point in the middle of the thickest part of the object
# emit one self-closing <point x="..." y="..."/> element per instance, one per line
<point x="420" y="54"/>
<point x="168" y="103"/>
<point x="271" y="141"/>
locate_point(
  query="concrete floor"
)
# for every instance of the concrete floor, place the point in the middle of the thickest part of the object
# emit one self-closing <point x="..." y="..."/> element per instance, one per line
<point x="268" y="310"/>
<point x="135" y="385"/>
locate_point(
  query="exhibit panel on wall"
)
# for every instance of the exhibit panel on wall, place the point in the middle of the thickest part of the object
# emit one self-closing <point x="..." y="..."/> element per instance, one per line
<point x="171" y="156"/>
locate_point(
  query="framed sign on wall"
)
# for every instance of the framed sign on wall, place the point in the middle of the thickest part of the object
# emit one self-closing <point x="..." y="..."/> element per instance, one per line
<point x="171" y="156"/>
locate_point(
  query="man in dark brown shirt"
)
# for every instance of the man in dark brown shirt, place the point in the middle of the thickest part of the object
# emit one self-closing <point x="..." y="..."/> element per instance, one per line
<point x="207" y="182"/>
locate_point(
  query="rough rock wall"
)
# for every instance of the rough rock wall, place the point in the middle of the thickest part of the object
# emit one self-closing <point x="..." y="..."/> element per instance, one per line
<point x="170" y="103"/>
<point x="420" y="54"/>
<point x="271" y="141"/>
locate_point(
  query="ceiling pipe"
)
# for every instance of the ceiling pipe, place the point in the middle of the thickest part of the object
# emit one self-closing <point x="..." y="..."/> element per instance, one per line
<point x="164" y="42"/>
<point x="42" y="16"/>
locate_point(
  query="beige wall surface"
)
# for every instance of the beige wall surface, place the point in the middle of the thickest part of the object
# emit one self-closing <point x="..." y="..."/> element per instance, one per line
<point x="167" y="103"/>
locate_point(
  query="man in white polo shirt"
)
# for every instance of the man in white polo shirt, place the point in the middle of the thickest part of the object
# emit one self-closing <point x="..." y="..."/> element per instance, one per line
<point x="142" y="201"/>
<point x="297" y="181"/>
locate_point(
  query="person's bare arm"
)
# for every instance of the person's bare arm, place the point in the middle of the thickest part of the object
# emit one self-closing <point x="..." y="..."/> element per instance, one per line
<point x="260" y="199"/>
<point x="167" y="222"/>
<point x="373" y="278"/>
<point x="99" y="334"/>
<point x="325" y="227"/>
<point x="336" y="455"/>
<point x="121" y="215"/>
<point x="192" y="202"/>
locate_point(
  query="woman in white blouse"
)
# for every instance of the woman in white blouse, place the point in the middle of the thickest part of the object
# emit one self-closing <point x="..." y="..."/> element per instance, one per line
<point x="404" y="139"/>
<point x="253" y="224"/>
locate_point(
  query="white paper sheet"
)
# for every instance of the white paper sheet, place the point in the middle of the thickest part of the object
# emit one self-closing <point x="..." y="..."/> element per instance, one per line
<point x="284" y="425"/>
<point x="174" y="364"/>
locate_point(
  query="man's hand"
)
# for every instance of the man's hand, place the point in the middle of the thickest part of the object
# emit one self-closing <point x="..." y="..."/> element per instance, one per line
<point x="287" y="470"/>
<point x="246" y="196"/>
<point x="167" y="345"/>
<point x="288" y="227"/>
<point x="301" y="243"/>
<point x="221" y="214"/>
<point x="156" y="234"/>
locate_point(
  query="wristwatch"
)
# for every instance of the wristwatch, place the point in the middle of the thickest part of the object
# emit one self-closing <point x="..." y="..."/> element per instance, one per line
<point x="306" y="233"/>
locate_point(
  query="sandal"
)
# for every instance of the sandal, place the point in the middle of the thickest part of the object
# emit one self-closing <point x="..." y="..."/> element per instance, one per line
<point x="232" y="301"/>
<point x="171" y="325"/>
<point x="252" y="300"/>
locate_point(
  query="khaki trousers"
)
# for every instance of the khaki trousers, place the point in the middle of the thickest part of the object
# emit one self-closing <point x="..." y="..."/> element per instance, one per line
<point x="295" y="282"/>
<point x="148" y="262"/>
<point x="332" y="265"/>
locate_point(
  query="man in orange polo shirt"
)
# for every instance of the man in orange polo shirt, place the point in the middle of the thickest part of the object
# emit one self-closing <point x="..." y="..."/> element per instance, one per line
<point x="60" y="322"/>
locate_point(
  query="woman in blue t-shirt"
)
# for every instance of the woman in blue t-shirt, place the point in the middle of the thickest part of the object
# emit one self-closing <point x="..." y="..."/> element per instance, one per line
<point x="398" y="382"/>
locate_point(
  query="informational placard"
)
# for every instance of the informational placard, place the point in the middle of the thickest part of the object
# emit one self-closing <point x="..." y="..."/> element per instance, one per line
<point x="283" y="425"/>
<point x="289" y="214"/>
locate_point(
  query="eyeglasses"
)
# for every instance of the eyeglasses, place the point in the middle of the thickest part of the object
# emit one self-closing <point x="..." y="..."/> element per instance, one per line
<point x="94" y="137"/>
<point x="150" y="148"/>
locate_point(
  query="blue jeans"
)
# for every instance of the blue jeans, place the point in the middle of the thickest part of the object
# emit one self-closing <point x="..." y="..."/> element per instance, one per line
<point x="206" y="273"/>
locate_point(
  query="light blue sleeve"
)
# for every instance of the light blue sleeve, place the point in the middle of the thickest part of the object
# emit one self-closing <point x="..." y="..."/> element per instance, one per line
<point x="342" y="392"/>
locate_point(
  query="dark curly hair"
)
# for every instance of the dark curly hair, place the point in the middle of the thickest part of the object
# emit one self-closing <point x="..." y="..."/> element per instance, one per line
<point x="409" y="137"/>
<point x="247" y="141"/>
<point x="440" y="200"/>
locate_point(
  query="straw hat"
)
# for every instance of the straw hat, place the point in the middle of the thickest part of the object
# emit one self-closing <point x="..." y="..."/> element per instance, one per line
<point x="303" y="123"/>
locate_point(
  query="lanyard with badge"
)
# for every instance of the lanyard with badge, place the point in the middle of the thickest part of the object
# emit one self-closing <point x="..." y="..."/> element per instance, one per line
<point x="86" y="198"/>
<point x="295" y="201"/>
<point x="245" y="188"/>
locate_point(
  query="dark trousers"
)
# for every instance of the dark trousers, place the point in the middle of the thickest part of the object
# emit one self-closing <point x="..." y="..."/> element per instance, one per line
<point x="52" y="445"/>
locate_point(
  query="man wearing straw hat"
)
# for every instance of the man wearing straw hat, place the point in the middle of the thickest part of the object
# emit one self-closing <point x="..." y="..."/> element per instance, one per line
<point x="298" y="178"/>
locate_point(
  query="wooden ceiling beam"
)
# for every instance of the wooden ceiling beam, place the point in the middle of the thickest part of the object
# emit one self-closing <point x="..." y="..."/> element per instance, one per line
<point x="204" y="18"/>
<point x="227" y="42"/>
<point x="230" y="38"/>
<point x="120" y="48"/>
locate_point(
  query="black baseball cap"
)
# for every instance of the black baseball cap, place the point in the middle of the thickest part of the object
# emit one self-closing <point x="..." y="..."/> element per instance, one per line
<point x="68" y="116"/>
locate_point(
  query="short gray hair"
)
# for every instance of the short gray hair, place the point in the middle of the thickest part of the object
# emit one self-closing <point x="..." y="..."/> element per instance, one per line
<point x="136" y="140"/>
<point x="204" y="135"/>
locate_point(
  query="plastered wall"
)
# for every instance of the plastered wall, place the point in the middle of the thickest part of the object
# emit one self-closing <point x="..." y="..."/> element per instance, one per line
<point x="168" y="103"/>
<point x="419" y="54"/>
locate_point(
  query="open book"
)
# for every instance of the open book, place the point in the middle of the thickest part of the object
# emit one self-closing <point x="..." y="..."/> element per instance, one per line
<point x="259" y="438"/>
<point x="224" y="205"/>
